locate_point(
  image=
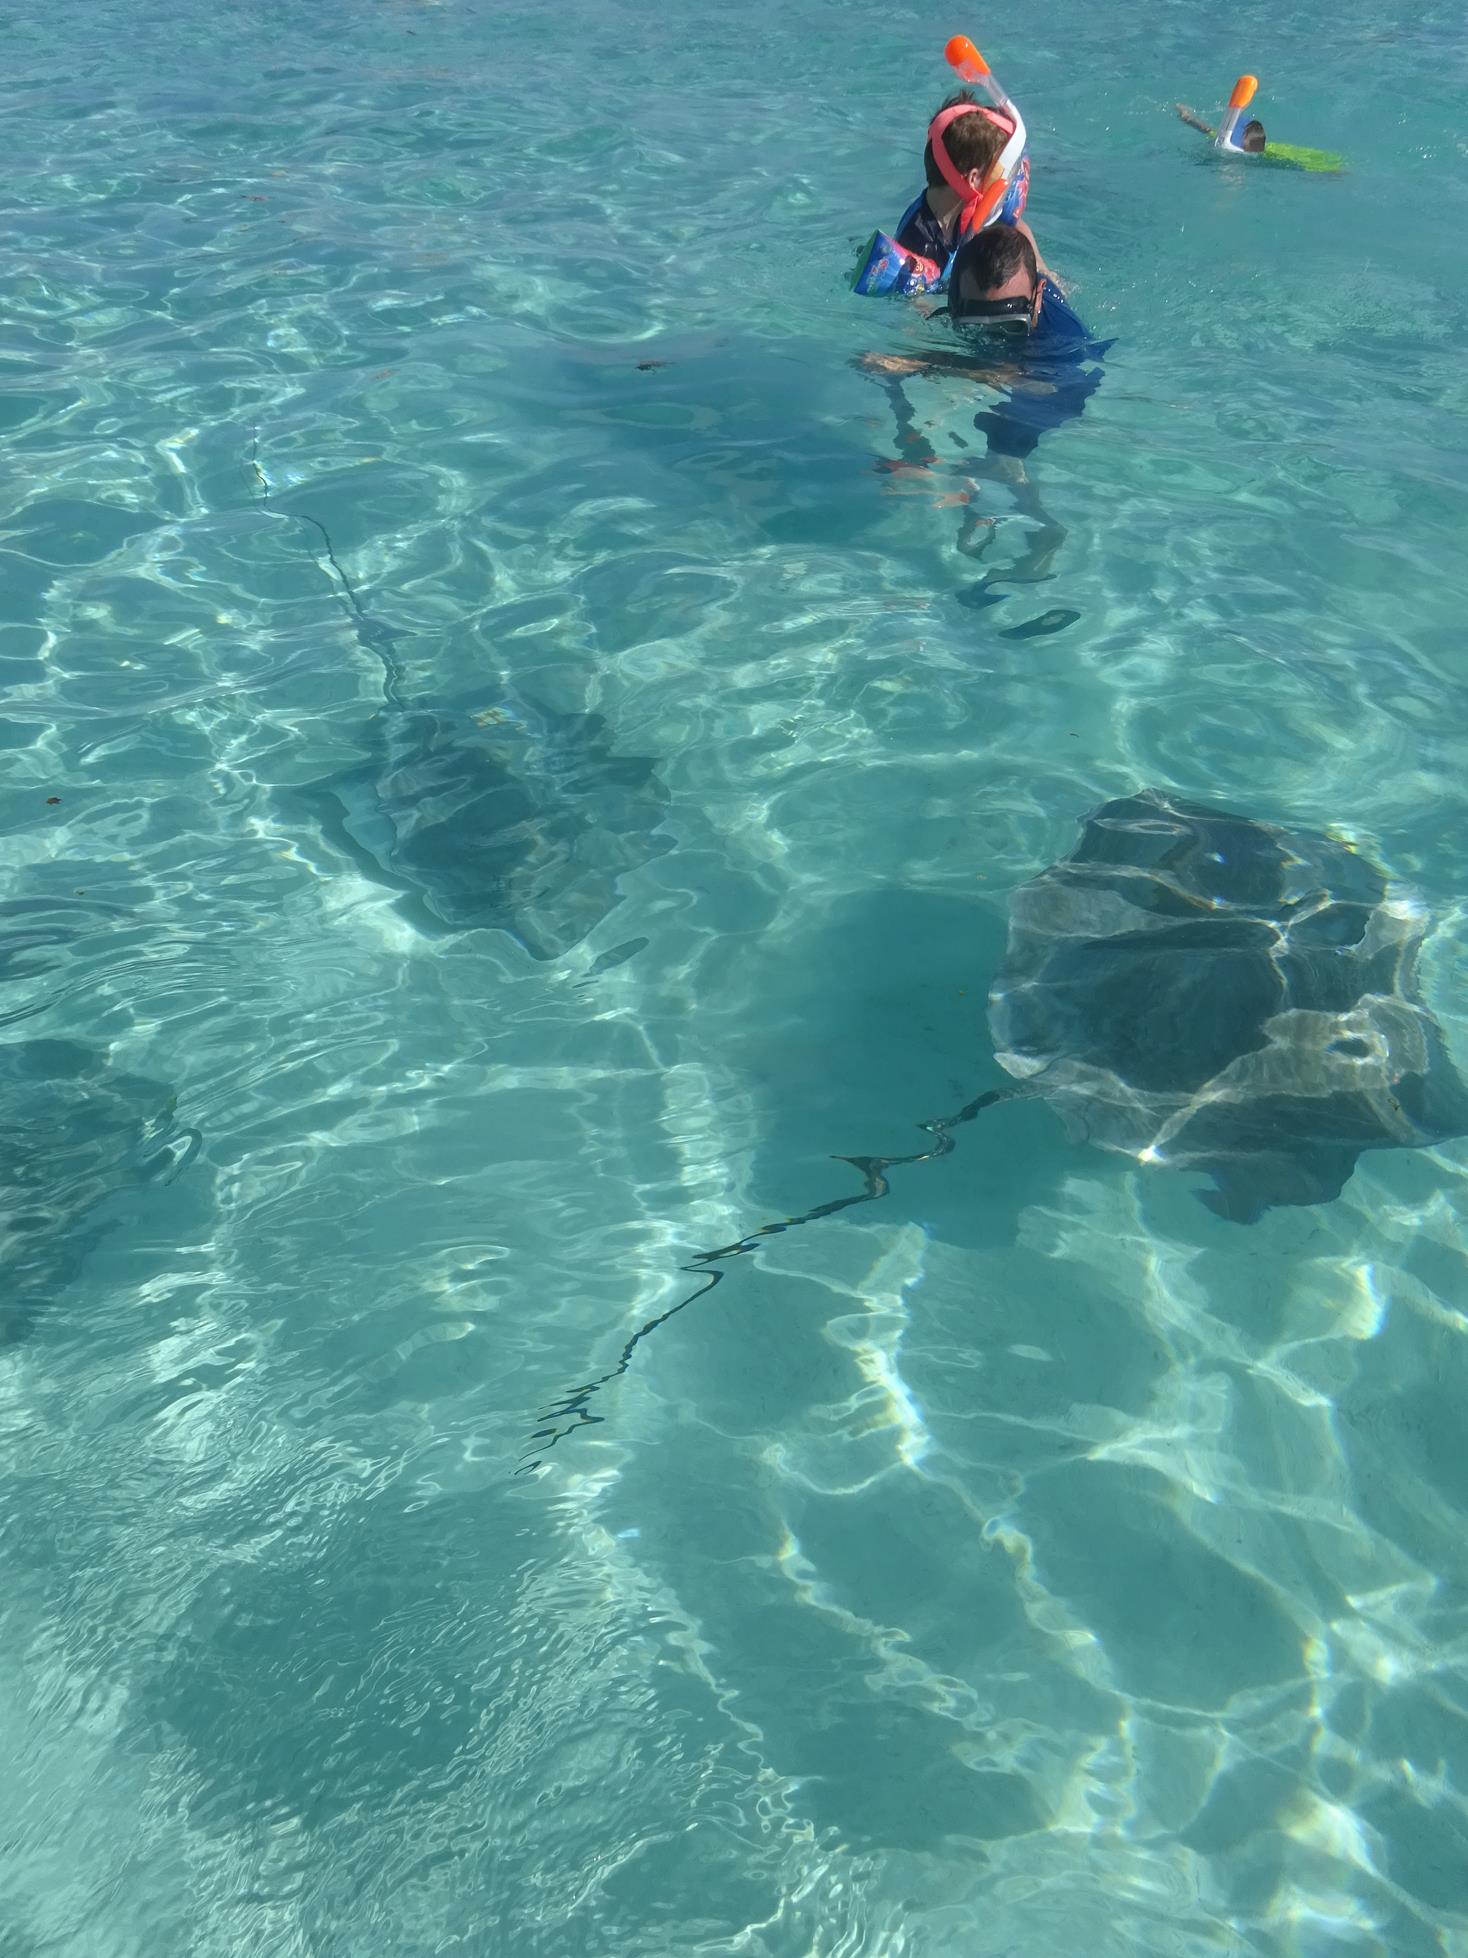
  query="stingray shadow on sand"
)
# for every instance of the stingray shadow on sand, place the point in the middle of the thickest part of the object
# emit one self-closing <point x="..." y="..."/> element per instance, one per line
<point x="1195" y="990"/>
<point x="76" y="1134"/>
<point x="489" y="817"/>
<point x="483" y="811"/>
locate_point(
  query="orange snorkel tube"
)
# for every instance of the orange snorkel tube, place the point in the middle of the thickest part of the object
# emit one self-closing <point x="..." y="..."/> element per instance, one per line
<point x="1242" y="96"/>
<point x="980" y="209"/>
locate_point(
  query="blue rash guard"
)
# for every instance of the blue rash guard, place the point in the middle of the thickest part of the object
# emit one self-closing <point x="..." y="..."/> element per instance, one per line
<point x="1059" y="371"/>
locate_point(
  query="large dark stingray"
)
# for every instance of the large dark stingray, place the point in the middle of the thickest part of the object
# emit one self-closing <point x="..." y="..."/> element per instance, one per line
<point x="485" y="811"/>
<point x="75" y="1133"/>
<point x="1201" y="991"/>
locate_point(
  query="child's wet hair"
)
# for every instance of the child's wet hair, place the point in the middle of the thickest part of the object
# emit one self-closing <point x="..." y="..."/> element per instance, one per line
<point x="972" y="142"/>
<point x="1251" y="137"/>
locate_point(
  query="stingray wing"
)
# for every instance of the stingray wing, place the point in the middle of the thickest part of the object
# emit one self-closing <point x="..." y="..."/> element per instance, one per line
<point x="1286" y="1125"/>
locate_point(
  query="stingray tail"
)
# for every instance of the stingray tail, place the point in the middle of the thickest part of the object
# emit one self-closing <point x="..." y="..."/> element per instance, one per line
<point x="572" y="1409"/>
<point x="375" y="637"/>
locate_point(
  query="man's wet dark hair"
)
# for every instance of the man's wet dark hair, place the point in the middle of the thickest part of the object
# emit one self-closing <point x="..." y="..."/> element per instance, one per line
<point x="1251" y="137"/>
<point x="972" y="142"/>
<point x="987" y="261"/>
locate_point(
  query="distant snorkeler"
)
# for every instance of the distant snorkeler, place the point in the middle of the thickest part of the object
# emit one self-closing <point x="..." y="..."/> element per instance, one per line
<point x="1251" y="138"/>
<point x="1236" y="137"/>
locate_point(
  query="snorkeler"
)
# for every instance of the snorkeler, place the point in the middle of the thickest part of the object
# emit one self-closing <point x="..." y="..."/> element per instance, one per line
<point x="1251" y="138"/>
<point x="1025" y="342"/>
<point x="1236" y="137"/>
<point x="1022" y="335"/>
<point x="965" y="141"/>
<point x="977" y="174"/>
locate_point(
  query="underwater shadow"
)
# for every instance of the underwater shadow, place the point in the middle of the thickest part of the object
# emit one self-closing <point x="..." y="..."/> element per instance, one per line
<point x="879" y="1020"/>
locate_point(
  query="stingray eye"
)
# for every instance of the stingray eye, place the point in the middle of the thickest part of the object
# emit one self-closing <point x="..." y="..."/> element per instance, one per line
<point x="1351" y="1045"/>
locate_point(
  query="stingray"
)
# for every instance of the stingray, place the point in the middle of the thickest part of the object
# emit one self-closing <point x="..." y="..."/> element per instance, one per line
<point x="1198" y="991"/>
<point x="482" y="816"/>
<point x="76" y="1134"/>
<point x="484" y="811"/>
<point x="1206" y="992"/>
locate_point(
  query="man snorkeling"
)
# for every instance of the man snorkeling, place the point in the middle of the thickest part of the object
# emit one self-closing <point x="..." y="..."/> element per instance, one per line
<point x="1022" y="336"/>
<point x="1023" y="341"/>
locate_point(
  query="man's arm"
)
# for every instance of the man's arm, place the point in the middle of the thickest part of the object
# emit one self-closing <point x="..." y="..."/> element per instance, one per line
<point x="938" y="362"/>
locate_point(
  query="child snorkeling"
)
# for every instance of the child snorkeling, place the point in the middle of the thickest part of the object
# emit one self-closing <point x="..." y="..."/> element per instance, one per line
<point x="977" y="175"/>
<point x="965" y="141"/>
<point x="1235" y="137"/>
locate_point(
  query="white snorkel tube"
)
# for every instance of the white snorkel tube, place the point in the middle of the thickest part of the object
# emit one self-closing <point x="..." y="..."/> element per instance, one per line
<point x="1233" y="115"/>
<point x="971" y="65"/>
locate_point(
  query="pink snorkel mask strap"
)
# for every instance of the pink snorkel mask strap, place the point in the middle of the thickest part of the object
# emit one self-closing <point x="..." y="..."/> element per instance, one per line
<point x="936" y="128"/>
<point x="980" y="207"/>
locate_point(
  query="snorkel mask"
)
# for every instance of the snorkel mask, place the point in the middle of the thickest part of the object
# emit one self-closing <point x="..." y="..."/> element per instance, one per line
<point x="981" y="206"/>
<point x="1011" y="315"/>
<point x="1013" y="319"/>
<point x="1233" y="116"/>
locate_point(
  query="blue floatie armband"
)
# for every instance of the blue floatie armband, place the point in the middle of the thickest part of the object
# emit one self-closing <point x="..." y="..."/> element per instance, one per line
<point x="1012" y="209"/>
<point x="885" y="266"/>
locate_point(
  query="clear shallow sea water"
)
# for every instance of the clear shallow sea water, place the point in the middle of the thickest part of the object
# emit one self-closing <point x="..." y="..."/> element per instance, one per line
<point x="1031" y="1564"/>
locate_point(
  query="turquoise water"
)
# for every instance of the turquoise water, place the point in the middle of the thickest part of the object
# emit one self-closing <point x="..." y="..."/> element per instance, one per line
<point x="1029" y="1564"/>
